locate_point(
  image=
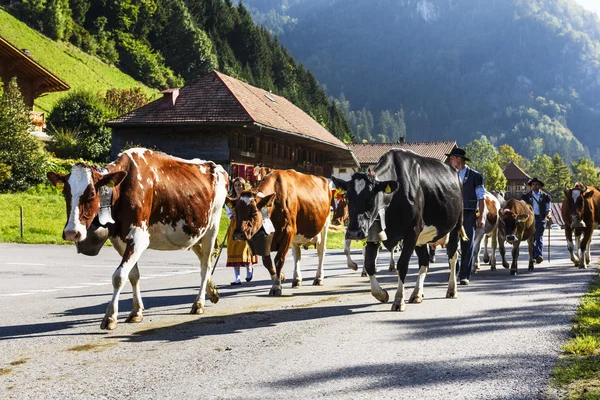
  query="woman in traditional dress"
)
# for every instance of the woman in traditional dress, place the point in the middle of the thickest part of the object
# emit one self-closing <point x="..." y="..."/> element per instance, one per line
<point x="238" y="251"/>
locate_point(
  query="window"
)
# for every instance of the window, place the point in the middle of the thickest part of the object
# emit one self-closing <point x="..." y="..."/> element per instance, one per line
<point x="275" y="150"/>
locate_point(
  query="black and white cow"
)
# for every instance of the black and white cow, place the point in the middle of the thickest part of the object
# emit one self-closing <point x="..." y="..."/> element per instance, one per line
<point x="408" y="198"/>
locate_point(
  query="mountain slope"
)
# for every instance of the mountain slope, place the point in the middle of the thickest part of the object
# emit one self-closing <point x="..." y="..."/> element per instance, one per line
<point x="78" y="69"/>
<point x="522" y="72"/>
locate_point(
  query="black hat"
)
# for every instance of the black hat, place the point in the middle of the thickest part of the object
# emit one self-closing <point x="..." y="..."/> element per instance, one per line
<point x="457" y="151"/>
<point x="533" y="180"/>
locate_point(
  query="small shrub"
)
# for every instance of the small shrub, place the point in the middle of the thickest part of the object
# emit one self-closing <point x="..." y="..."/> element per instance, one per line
<point x="64" y="143"/>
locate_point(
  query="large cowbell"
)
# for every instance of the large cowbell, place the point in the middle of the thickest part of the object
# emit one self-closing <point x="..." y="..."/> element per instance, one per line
<point x="97" y="235"/>
<point x="260" y="244"/>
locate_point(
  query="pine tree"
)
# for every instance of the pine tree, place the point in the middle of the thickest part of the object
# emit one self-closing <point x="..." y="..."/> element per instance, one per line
<point x="558" y="177"/>
<point x="585" y="172"/>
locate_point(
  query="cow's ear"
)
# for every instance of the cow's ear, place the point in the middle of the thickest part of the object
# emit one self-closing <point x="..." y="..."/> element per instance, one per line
<point x="266" y="201"/>
<point x="112" y="179"/>
<point x="339" y="183"/>
<point x="587" y="194"/>
<point x="566" y="191"/>
<point x="57" y="179"/>
<point x="522" y="218"/>
<point x="387" y="187"/>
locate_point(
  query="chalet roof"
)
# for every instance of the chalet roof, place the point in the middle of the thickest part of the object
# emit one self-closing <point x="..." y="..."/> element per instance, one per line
<point x="370" y="153"/>
<point x="513" y="173"/>
<point x="216" y="98"/>
<point x="22" y="65"/>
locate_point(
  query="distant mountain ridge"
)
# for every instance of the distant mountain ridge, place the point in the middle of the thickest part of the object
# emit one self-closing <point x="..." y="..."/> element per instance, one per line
<point x="521" y="72"/>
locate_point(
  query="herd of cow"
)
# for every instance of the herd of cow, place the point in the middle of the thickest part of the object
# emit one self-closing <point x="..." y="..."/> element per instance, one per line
<point x="147" y="199"/>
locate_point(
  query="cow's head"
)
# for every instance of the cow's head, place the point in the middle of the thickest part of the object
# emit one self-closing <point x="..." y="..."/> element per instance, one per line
<point x="573" y="205"/>
<point x="249" y="213"/>
<point x="514" y="225"/>
<point x="363" y="201"/>
<point x="80" y="189"/>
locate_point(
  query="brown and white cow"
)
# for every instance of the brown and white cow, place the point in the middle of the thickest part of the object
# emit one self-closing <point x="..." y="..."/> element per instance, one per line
<point x="295" y="208"/>
<point x="581" y="213"/>
<point x="489" y="229"/>
<point x="157" y="202"/>
<point x="516" y="225"/>
<point x="340" y="208"/>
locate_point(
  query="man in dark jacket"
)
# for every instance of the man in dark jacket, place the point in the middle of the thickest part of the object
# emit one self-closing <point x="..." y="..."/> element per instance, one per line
<point x="473" y="201"/>
<point x="540" y="202"/>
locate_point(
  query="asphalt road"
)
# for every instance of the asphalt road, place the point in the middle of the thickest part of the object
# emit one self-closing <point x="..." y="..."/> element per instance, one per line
<point x="498" y="340"/>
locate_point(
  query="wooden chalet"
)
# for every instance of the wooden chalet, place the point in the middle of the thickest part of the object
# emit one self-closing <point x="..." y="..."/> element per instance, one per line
<point x="368" y="154"/>
<point x="237" y="125"/>
<point x="516" y="185"/>
<point x="33" y="79"/>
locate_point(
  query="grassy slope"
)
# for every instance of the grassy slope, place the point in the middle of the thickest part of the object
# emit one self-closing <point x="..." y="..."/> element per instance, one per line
<point x="78" y="69"/>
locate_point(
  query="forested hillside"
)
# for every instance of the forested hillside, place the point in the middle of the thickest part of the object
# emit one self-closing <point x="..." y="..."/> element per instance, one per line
<point x="522" y="72"/>
<point x="165" y="43"/>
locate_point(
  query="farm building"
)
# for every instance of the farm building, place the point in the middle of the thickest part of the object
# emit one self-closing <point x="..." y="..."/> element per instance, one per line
<point x="237" y="125"/>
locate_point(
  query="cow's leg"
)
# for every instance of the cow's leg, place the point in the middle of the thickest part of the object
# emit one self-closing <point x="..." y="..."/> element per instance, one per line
<point x="587" y="251"/>
<point x="391" y="247"/>
<point x="580" y="261"/>
<point x="137" y="304"/>
<point x="321" y="247"/>
<point x="492" y="260"/>
<point x="371" y="250"/>
<point x="584" y="246"/>
<point x="515" y="257"/>
<point x="297" y="255"/>
<point x="284" y="246"/>
<point x="531" y="248"/>
<point x="503" y="253"/>
<point x="570" y="245"/>
<point x="203" y="252"/>
<point x="351" y="264"/>
<point x="408" y="247"/>
<point x="134" y="249"/>
<point x="486" y="255"/>
<point x="479" y="233"/>
<point x="423" y="256"/>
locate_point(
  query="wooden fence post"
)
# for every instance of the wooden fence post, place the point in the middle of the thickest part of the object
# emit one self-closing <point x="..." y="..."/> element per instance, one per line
<point x="21" y="209"/>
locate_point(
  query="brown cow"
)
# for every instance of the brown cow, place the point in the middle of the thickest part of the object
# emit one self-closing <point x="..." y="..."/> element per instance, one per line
<point x="517" y="224"/>
<point x="340" y="208"/>
<point x="581" y="213"/>
<point x="489" y="229"/>
<point x="292" y="206"/>
<point x="158" y="202"/>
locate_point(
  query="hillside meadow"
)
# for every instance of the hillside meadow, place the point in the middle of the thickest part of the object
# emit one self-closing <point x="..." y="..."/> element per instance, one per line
<point x="78" y="69"/>
<point x="44" y="217"/>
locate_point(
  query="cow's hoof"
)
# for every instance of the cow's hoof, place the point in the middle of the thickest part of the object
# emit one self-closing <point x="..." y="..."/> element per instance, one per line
<point x="275" y="291"/>
<point x="108" y="323"/>
<point x="213" y="292"/>
<point x="296" y="283"/>
<point x="513" y="272"/>
<point x="282" y="277"/>
<point x="530" y="268"/>
<point x="451" y="294"/>
<point x="492" y="268"/>
<point x="318" y="282"/>
<point x="506" y="265"/>
<point x="391" y="268"/>
<point x="134" y="318"/>
<point x="416" y="299"/>
<point x="353" y="266"/>
<point x="363" y="274"/>
<point x="399" y="307"/>
<point x="582" y="266"/>
<point x="197" y="309"/>
<point x="486" y="259"/>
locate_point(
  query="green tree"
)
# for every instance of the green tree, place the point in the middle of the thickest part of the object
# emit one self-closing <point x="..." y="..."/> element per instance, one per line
<point x="540" y="167"/>
<point x="494" y="178"/>
<point x="559" y="176"/>
<point x="507" y="153"/>
<point x="584" y="171"/>
<point x="84" y="114"/>
<point x="481" y="152"/>
<point x="23" y="162"/>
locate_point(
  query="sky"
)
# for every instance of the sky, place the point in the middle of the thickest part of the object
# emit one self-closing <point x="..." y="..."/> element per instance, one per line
<point x="591" y="5"/>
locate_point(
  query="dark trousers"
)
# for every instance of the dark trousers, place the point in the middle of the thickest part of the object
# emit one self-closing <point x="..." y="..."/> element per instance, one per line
<point x="466" y="247"/>
<point x="538" y="239"/>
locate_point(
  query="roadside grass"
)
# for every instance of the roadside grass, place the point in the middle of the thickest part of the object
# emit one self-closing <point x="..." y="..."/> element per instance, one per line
<point x="577" y="374"/>
<point x="44" y="217"/>
<point x="77" y="68"/>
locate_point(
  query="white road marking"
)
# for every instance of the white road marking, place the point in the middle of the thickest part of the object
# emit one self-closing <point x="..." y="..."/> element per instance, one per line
<point x="19" y="263"/>
<point x="41" y="290"/>
<point x="14" y="294"/>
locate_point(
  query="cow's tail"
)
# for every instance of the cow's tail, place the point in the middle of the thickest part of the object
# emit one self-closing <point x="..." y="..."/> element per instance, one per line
<point x="463" y="234"/>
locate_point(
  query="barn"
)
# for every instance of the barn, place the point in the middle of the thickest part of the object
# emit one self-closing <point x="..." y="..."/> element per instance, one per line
<point x="239" y="126"/>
